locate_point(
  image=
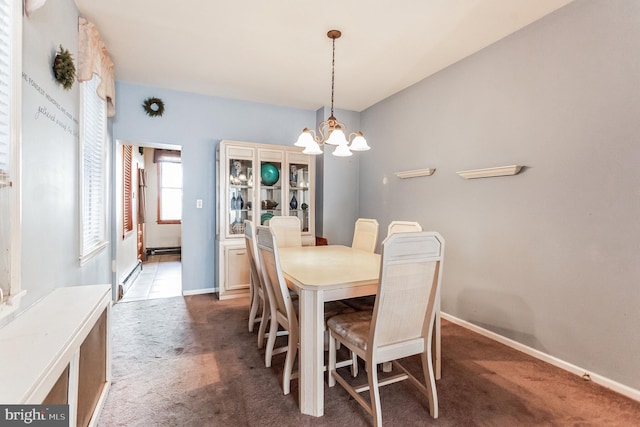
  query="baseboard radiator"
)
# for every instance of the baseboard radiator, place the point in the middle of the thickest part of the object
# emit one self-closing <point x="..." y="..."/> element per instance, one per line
<point x="128" y="281"/>
<point x="164" y="250"/>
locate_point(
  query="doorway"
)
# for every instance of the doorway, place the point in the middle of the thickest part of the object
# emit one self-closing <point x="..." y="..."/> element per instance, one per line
<point x="148" y="221"/>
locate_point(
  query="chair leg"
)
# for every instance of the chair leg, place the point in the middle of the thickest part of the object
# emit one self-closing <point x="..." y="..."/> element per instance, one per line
<point x="254" y="306"/>
<point x="263" y="324"/>
<point x="332" y="361"/>
<point x="430" y="383"/>
<point x="374" y="393"/>
<point x="271" y="341"/>
<point x="354" y="364"/>
<point x="288" y="361"/>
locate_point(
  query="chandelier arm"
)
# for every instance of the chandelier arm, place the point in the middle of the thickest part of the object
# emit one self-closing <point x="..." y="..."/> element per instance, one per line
<point x="352" y="135"/>
<point x="322" y="136"/>
<point x="315" y="136"/>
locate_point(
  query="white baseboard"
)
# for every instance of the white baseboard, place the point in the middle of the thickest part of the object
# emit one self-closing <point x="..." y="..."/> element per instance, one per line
<point x="598" y="379"/>
<point x="199" y="291"/>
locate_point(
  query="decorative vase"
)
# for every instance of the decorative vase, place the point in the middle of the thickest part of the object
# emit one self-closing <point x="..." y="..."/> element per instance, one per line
<point x="234" y="202"/>
<point x="239" y="202"/>
<point x="294" y="202"/>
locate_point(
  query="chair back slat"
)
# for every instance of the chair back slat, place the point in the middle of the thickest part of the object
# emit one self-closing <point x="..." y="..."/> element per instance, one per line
<point x="409" y="284"/>
<point x="287" y="230"/>
<point x="365" y="234"/>
<point x="403" y="227"/>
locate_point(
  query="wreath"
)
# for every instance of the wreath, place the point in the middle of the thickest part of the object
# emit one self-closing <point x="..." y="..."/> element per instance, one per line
<point x="63" y="68"/>
<point x="154" y="107"/>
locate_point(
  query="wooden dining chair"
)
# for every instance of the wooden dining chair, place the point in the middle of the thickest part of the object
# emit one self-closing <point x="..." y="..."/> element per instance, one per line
<point x="284" y="308"/>
<point x="367" y="302"/>
<point x="287" y="230"/>
<point x="258" y="296"/>
<point x="403" y="227"/>
<point x="280" y="301"/>
<point x="401" y="323"/>
<point x="256" y="293"/>
<point x="365" y="235"/>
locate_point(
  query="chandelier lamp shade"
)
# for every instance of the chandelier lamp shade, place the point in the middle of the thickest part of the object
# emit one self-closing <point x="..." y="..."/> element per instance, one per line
<point x="331" y="131"/>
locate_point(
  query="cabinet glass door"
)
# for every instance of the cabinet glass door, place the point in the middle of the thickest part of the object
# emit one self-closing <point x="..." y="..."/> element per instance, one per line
<point x="240" y="194"/>
<point x="270" y="190"/>
<point x="299" y="194"/>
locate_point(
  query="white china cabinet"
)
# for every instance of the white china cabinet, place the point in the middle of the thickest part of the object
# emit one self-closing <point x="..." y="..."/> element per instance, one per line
<point x="256" y="182"/>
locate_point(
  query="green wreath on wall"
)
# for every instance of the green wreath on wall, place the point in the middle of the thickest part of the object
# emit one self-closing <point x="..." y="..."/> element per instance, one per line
<point x="63" y="68"/>
<point x="154" y="107"/>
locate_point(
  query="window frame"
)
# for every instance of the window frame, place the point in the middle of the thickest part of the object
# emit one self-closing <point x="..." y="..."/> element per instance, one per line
<point x="160" y="187"/>
<point x="98" y="220"/>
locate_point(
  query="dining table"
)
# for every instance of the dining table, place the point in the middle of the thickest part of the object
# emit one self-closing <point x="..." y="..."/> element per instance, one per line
<point x="320" y="274"/>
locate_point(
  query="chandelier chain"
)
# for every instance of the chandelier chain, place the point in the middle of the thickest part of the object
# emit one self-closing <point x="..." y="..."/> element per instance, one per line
<point x="333" y="73"/>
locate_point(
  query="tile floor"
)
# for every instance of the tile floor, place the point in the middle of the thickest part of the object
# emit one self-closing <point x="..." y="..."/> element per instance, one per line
<point x="161" y="277"/>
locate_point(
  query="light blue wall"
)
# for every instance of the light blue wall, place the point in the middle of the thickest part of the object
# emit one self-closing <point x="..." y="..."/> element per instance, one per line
<point x="50" y="210"/>
<point x="198" y="123"/>
<point x="549" y="257"/>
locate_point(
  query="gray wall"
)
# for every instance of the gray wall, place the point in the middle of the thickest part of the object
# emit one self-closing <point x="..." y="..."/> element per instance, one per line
<point x="50" y="211"/>
<point x="549" y="257"/>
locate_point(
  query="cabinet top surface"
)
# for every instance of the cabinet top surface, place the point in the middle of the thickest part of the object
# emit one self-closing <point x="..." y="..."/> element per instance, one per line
<point x="31" y="344"/>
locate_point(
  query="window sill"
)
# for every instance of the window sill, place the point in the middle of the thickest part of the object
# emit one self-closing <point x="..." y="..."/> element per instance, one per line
<point x="175" y="221"/>
<point x="94" y="252"/>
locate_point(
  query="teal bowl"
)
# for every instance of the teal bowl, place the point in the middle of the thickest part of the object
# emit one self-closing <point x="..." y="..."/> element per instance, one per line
<point x="269" y="174"/>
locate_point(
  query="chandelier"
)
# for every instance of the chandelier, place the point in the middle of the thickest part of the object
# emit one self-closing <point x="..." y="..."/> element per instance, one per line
<point x="331" y="131"/>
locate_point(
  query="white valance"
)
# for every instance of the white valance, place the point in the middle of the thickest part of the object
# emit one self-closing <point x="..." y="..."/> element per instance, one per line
<point x="31" y="5"/>
<point x="93" y="58"/>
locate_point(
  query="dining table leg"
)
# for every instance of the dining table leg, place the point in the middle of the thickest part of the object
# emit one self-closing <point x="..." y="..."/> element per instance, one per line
<point x="311" y="360"/>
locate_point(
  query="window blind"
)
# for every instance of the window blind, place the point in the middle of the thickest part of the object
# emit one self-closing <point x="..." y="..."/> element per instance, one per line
<point x="93" y="170"/>
<point x="127" y="187"/>
<point x="5" y="89"/>
<point x="6" y="83"/>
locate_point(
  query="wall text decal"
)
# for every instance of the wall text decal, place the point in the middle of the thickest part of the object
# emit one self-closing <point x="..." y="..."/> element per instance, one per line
<point x="55" y="112"/>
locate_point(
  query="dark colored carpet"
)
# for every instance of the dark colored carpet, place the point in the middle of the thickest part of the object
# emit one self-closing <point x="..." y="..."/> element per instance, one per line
<point x="191" y="362"/>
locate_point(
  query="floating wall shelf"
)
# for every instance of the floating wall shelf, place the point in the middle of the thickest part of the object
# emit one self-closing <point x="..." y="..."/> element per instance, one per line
<point x="489" y="172"/>
<point x="415" y="173"/>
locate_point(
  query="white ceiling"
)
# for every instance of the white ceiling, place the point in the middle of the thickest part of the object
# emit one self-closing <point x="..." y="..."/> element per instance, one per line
<point x="277" y="51"/>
